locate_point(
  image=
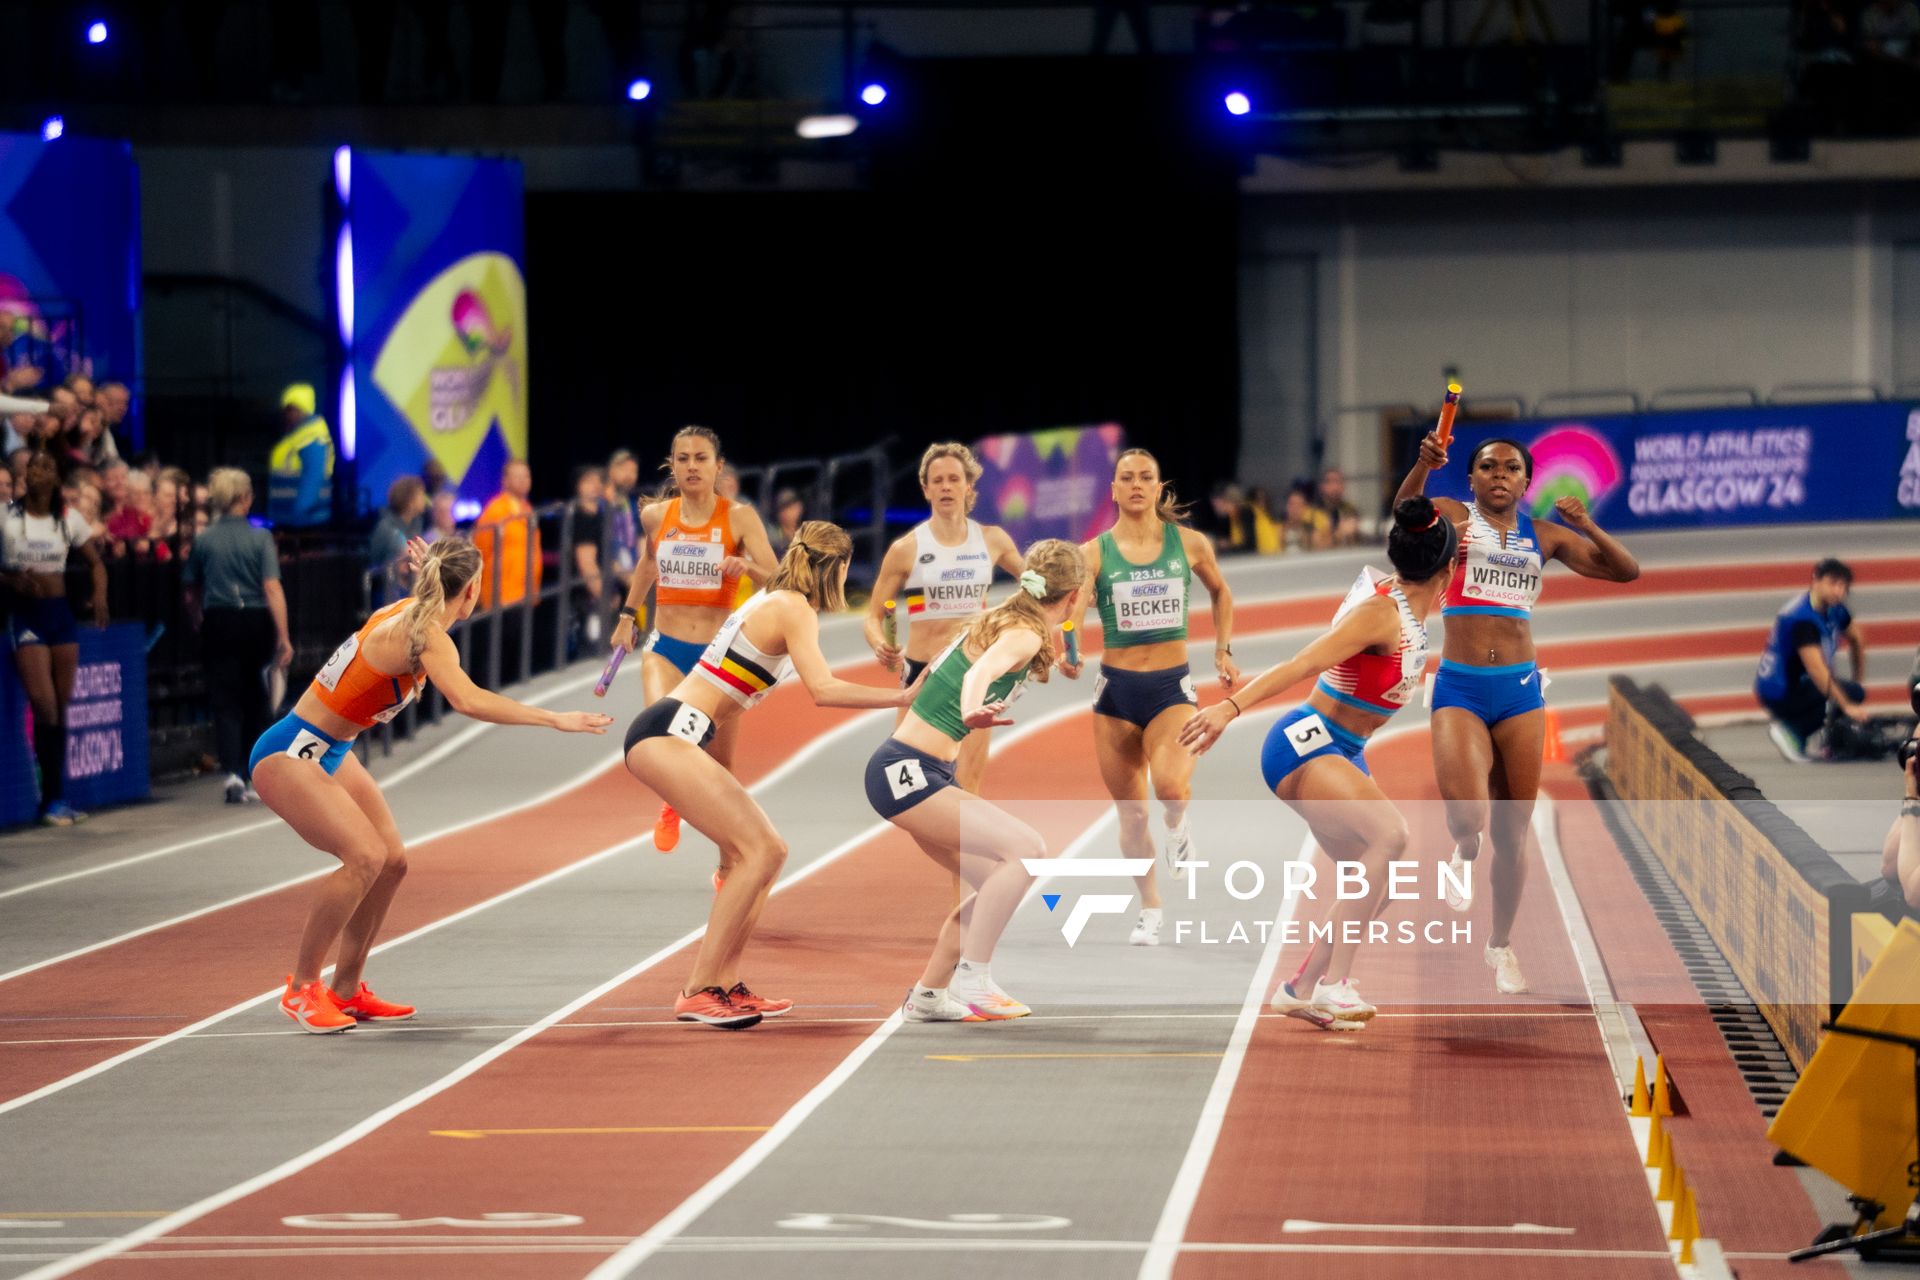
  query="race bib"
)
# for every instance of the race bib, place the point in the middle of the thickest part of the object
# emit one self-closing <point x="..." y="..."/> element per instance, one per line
<point x="1506" y="578"/>
<point x="307" y="745"/>
<point x="691" y="723"/>
<point x="904" y="777"/>
<point x="1308" y="734"/>
<point x="336" y="667"/>
<point x="686" y="565"/>
<point x="1153" y="605"/>
<point x="957" y="595"/>
<point x="1186" y="689"/>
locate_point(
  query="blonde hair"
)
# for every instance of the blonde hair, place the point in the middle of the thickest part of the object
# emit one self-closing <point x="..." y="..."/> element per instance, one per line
<point x="969" y="466"/>
<point x="1169" y="508"/>
<point x="1057" y="562"/>
<point x="812" y="565"/>
<point x="226" y="486"/>
<point x="450" y="565"/>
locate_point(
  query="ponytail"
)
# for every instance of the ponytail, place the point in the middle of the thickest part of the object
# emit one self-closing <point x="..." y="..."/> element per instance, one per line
<point x="812" y="565"/>
<point x="1054" y="571"/>
<point x="450" y="565"/>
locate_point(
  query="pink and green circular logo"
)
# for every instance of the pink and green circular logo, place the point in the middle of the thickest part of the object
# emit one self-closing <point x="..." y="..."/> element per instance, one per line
<point x="1572" y="462"/>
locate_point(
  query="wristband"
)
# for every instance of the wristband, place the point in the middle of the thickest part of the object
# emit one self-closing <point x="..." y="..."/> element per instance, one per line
<point x="1236" y="706"/>
<point x="628" y="611"/>
<point x="1224" y="648"/>
<point x="1910" y="808"/>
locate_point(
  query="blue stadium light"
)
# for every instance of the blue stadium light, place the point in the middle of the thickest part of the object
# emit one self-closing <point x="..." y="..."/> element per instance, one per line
<point x="52" y="128"/>
<point x="1238" y="103"/>
<point x="874" y="94"/>
<point x="97" y="33"/>
<point x="639" y="90"/>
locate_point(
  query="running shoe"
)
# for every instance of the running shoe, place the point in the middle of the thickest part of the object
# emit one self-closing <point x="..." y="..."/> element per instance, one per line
<point x="1507" y="978"/>
<point x="1459" y="898"/>
<point x="59" y="813"/>
<point x="1146" y="931"/>
<point x="1285" y="1001"/>
<point x="1790" y="744"/>
<point x="1342" y="1000"/>
<point x="930" y="1004"/>
<point x="236" y="789"/>
<point x="718" y="879"/>
<point x="666" y="830"/>
<point x="313" y="1008"/>
<point x="977" y="990"/>
<point x="364" y="1006"/>
<point x="716" y="1008"/>
<point x="1179" y="848"/>
<point x="762" y="1005"/>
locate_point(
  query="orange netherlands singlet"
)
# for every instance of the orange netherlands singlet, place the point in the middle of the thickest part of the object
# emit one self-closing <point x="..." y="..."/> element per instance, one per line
<point x="353" y="690"/>
<point x="689" y="558"/>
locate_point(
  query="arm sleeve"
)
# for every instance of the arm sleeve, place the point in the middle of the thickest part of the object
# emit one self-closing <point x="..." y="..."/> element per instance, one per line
<point x="1804" y="634"/>
<point x="77" y="530"/>
<point x="313" y="475"/>
<point x="269" y="558"/>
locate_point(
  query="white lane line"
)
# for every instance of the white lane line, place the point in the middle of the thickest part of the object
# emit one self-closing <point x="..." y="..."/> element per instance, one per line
<point x="1616" y="1021"/>
<point x="1299" y="1226"/>
<point x="288" y="1168"/>
<point x="778" y="773"/>
<point x="690" y="1210"/>
<point x="792" y="763"/>
<point x="1164" y="1249"/>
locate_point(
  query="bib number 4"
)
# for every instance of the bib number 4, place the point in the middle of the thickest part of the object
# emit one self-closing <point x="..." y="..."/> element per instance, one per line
<point x="904" y="777"/>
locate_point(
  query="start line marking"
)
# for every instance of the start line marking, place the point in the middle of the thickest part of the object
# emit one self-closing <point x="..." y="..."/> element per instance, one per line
<point x="647" y="1128"/>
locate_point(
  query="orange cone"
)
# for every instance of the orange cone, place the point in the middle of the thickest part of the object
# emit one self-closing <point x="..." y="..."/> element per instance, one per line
<point x="1682" y="1211"/>
<point x="1641" y="1104"/>
<point x="1662" y="1097"/>
<point x="1555" y="751"/>
<point x="1656" y="1142"/>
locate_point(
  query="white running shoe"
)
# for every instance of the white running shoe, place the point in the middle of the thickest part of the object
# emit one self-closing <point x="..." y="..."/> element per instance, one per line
<point x="977" y="990"/>
<point x="1146" y="931"/>
<point x="1788" y="742"/>
<point x="1507" y="978"/>
<point x="931" y="1004"/>
<point x="1461" y="898"/>
<point x="1179" y="848"/>
<point x="1342" y="1000"/>
<point x="1284" y="1001"/>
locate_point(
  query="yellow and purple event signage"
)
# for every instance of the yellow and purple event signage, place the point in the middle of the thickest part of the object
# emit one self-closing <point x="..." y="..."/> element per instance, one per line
<point x="70" y="261"/>
<point x="432" y="313"/>
<point x="1773" y="464"/>
<point x="1049" y="484"/>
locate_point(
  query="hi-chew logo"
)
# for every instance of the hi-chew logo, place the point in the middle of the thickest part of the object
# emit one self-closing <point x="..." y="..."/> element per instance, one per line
<point x="1093" y="904"/>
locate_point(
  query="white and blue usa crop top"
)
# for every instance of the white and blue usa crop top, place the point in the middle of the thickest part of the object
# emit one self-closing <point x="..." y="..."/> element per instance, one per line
<point x="1378" y="683"/>
<point x="1492" y="577"/>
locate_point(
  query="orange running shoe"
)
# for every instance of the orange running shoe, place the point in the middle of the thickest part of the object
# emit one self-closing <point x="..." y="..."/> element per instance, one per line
<point x="364" y="1006"/>
<point x="716" y="1008"/>
<point x="718" y="879"/>
<point x="313" y="1008"/>
<point x="765" y="1007"/>
<point x="666" y="830"/>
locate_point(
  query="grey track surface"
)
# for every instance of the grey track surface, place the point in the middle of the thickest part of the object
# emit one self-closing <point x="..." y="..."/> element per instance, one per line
<point x="204" y="1112"/>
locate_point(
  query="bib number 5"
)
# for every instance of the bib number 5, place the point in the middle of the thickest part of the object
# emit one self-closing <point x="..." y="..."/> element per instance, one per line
<point x="1307" y="734"/>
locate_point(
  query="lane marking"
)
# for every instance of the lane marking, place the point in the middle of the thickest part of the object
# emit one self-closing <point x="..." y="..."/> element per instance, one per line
<point x="393" y="1221"/>
<point x="1294" y="1226"/>
<point x="644" y="1128"/>
<point x="1163" y="1250"/>
<point x="68" y="1265"/>
<point x="690" y="1209"/>
<point x="952" y="1222"/>
<point x="999" y="1057"/>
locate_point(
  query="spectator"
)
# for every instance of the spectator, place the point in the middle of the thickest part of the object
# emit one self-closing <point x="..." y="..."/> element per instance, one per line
<point x="232" y="578"/>
<point x="1898" y="892"/>
<point x="21" y="430"/>
<point x="300" y="469"/>
<point x="1307" y="527"/>
<point x="589" y="528"/>
<point x="172" y="512"/>
<point x="6" y="488"/>
<point x="623" y="504"/>
<point x="82" y="389"/>
<point x="1342" y="516"/>
<point x="113" y="487"/>
<point x="440" y="521"/>
<point x="1268" y="533"/>
<point x="509" y="540"/>
<point x="387" y="548"/>
<point x="17" y="467"/>
<point x="132" y="521"/>
<point x="727" y="485"/>
<point x="1796" y="679"/>
<point x="88" y="442"/>
<point x="37" y="534"/>
<point x="114" y="401"/>
<point x="86" y="500"/>
<point x="1230" y="519"/>
<point x="433" y="474"/>
<point x="788" y="512"/>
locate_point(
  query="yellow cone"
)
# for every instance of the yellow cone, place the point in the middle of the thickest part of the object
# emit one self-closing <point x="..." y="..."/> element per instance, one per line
<point x="1656" y="1140"/>
<point x="1662" y="1102"/>
<point x="1641" y="1105"/>
<point x="1682" y="1228"/>
<point x="1671" y="1179"/>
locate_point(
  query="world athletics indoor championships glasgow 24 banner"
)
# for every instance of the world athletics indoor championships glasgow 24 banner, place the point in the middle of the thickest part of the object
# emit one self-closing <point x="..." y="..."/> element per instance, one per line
<point x="435" y="320"/>
<point x="1777" y="464"/>
<point x="1049" y="484"/>
<point x="70" y="262"/>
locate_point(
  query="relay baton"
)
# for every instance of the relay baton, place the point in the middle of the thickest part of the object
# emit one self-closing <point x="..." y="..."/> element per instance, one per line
<point x="889" y="627"/>
<point x="606" y="677"/>
<point x="1073" y="644"/>
<point x="1447" y="410"/>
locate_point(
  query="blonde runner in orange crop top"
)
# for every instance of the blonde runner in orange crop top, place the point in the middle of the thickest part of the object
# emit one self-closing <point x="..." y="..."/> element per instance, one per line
<point x="690" y="556"/>
<point x="349" y="686"/>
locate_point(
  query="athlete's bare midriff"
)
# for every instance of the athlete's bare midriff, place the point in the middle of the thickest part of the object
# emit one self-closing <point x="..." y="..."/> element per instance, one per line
<point x="1487" y="640"/>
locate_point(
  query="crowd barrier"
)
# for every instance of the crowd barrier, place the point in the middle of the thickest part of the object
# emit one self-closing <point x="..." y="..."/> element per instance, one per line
<point x="106" y="728"/>
<point x="1776" y="904"/>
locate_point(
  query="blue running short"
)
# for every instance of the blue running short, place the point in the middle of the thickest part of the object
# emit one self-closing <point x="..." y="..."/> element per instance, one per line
<point x="683" y="654"/>
<point x="48" y="622"/>
<point x="1138" y="696"/>
<point x="1492" y="693"/>
<point x="292" y="736"/>
<point x="1304" y="734"/>
<point x="900" y="777"/>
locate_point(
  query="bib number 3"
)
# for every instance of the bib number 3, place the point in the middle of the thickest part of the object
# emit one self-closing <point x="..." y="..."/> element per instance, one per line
<point x="690" y="723"/>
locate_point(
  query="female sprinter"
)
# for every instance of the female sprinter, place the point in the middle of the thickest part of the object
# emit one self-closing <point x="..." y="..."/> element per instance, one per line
<point x="699" y="547"/>
<point x="910" y="783"/>
<point x="39" y="530"/>
<point x="304" y="770"/>
<point x="1489" y="718"/>
<point x="769" y="637"/>
<point x="1142" y="572"/>
<point x="1370" y="664"/>
<point x="944" y="565"/>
